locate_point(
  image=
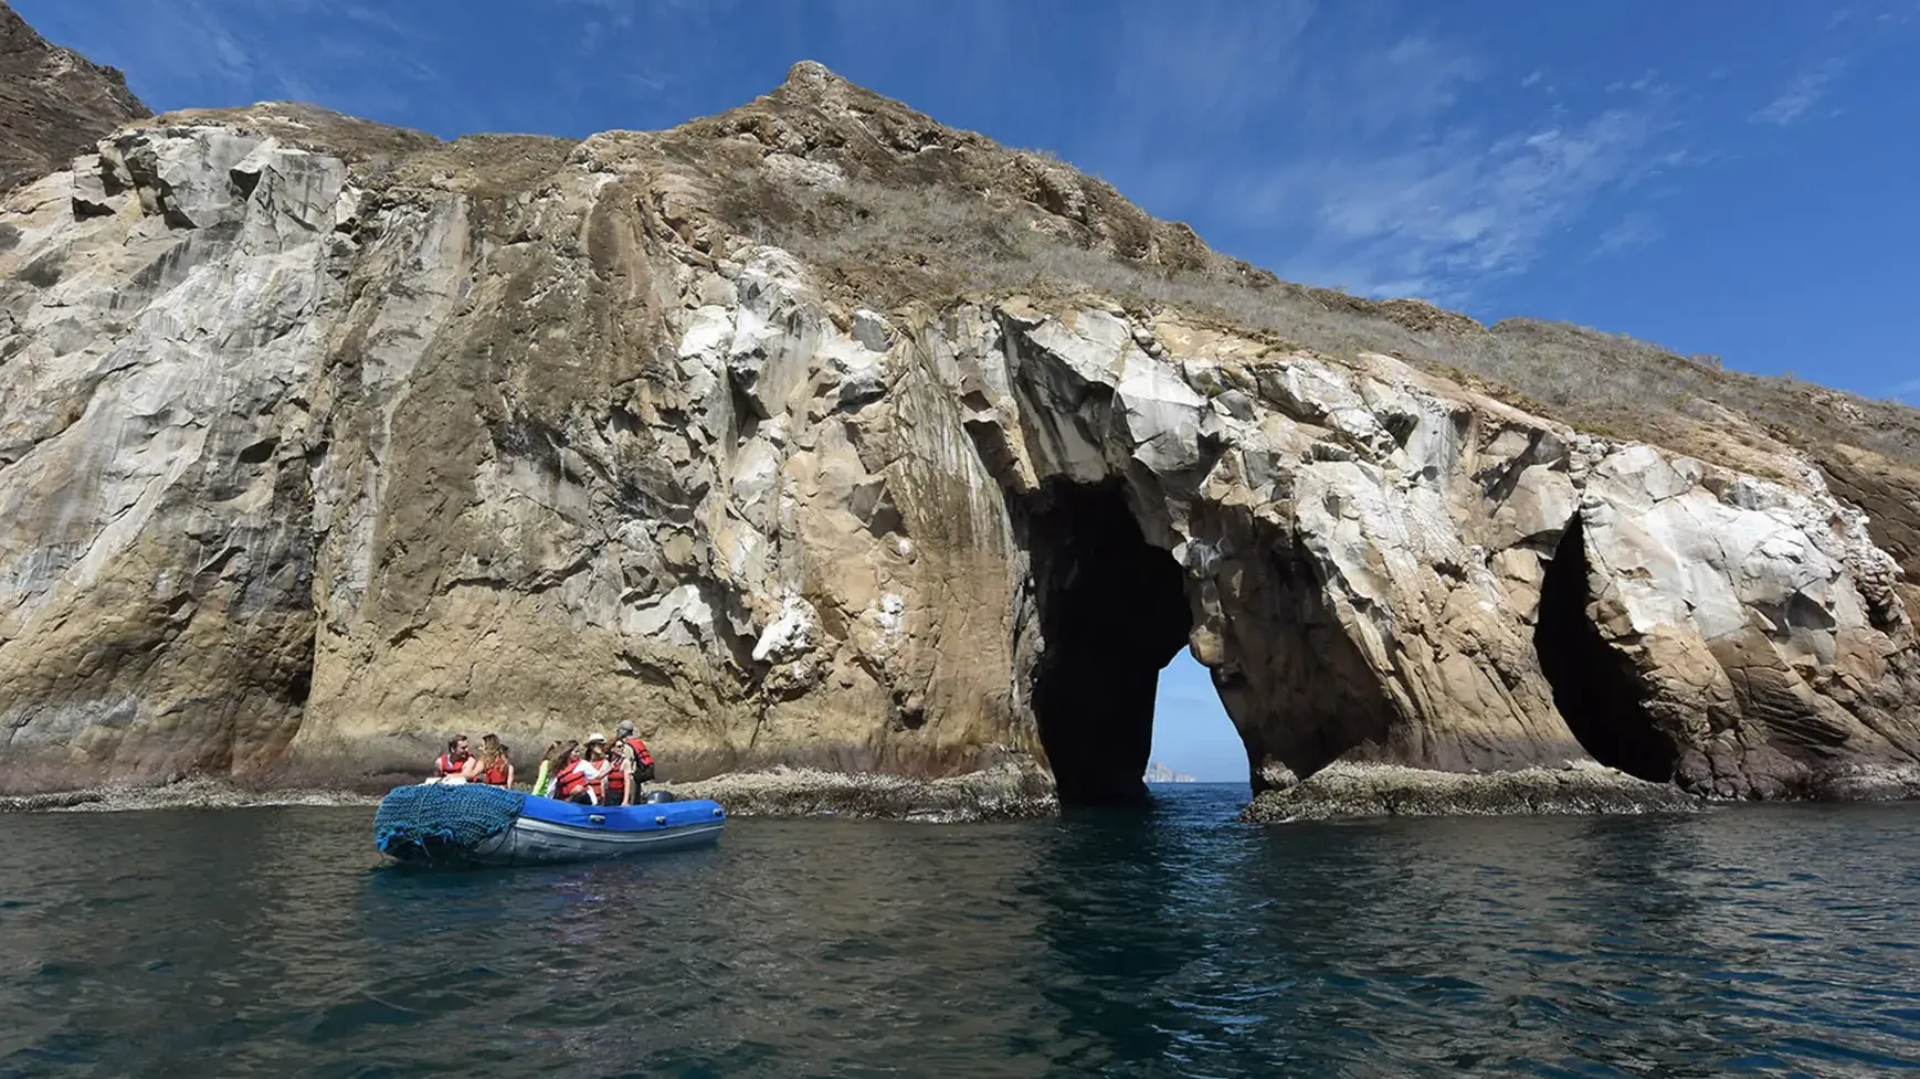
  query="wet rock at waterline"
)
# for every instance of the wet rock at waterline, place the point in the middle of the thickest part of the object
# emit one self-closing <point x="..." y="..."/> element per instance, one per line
<point x="1343" y="790"/>
<point x="320" y="440"/>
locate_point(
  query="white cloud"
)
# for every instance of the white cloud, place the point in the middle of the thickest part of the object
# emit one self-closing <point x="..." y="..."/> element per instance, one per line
<point x="1636" y="230"/>
<point x="620" y="12"/>
<point x="1800" y="95"/>
<point x="1386" y="159"/>
<point x="1416" y="78"/>
<point x="228" y="57"/>
<point x="1450" y="212"/>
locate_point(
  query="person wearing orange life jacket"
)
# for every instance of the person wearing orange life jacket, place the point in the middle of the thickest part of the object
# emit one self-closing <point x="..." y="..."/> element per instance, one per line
<point x="454" y="761"/>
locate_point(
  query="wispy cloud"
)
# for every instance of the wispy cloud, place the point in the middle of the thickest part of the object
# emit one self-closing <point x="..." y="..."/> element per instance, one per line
<point x="1455" y="208"/>
<point x="346" y="54"/>
<point x="1413" y="79"/>
<point x="1389" y="159"/>
<point x="1907" y="391"/>
<point x="1635" y="230"/>
<point x="1800" y="95"/>
<point x="618" y="12"/>
<point x="1203" y="53"/>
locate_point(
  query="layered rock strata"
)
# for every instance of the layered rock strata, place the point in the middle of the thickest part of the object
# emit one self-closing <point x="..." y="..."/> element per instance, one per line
<point x="320" y="440"/>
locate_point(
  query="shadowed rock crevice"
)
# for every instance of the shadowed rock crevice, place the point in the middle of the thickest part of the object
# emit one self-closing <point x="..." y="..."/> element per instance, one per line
<point x="1113" y="612"/>
<point x="1595" y="687"/>
<point x="1299" y="688"/>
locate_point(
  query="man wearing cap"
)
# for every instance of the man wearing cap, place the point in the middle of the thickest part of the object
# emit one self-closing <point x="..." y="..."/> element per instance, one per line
<point x="642" y="760"/>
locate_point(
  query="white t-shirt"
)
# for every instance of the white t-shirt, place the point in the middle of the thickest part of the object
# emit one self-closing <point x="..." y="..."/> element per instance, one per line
<point x="588" y="770"/>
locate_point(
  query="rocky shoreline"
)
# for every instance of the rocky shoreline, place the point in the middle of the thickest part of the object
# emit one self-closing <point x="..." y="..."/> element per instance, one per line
<point x="1343" y="791"/>
<point x="1352" y="791"/>
<point x="1339" y="792"/>
<point x="999" y="794"/>
<point x="195" y="793"/>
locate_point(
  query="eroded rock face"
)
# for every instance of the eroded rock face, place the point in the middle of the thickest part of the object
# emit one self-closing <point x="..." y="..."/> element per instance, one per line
<point x="314" y="452"/>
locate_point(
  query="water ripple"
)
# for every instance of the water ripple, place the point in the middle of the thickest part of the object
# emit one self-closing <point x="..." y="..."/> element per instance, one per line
<point x="1768" y="941"/>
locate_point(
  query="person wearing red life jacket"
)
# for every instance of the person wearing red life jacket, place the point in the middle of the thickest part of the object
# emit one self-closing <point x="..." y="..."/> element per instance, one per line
<point x="454" y="761"/>
<point x="619" y="780"/>
<point x="585" y="780"/>
<point x="492" y="766"/>
<point x="557" y="759"/>
<point x="642" y="760"/>
<point x="571" y="783"/>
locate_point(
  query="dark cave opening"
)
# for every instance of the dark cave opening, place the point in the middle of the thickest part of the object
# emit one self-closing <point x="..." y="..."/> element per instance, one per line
<point x="1594" y="686"/>
<point x="1113" y="612"/>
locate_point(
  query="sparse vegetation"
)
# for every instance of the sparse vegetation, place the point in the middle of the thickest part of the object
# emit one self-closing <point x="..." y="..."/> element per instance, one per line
<point x="889" y="245"/>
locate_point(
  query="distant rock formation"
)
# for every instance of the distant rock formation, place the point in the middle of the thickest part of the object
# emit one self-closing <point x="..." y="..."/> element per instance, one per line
<point x="321" y="440"/>
<point x="54" y="103"/>
<point x="1160" y="773"/>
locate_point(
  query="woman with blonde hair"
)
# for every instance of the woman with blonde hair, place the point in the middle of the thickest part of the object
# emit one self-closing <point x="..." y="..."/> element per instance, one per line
<point x="491" y="765"/>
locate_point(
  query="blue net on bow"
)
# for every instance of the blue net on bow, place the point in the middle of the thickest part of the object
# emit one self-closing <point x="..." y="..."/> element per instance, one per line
<point x="436" y="820"/>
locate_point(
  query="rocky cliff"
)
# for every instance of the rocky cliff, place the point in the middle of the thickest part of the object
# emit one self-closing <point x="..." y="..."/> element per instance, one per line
<point x="54" y="103"/>
<point x="817" y="434"/>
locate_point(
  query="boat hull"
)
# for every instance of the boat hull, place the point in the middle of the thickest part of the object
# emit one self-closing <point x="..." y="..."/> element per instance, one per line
<point x="539" y="842"/>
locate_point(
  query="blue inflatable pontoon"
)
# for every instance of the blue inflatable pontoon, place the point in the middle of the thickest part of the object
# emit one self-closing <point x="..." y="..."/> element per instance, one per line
<point x="473" y="824"/>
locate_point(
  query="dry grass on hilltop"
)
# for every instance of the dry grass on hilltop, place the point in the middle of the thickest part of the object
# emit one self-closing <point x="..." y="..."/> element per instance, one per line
<point x="888" y="245"/>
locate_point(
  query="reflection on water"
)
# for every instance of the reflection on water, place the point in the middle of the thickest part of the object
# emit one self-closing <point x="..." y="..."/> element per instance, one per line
<point x="272" y="942"/>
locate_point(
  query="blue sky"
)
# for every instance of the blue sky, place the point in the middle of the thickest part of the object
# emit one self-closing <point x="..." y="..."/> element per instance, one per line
<point x="1719" y="177"/>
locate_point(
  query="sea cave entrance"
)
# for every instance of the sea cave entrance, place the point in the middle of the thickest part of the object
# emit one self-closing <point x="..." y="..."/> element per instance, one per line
<point x="1595" y="687"/>
<point x="1193" y="735"/>
<point x="1113" y="611"/>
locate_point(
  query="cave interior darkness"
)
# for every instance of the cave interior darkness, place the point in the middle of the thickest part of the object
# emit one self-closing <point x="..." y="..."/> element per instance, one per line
<point x="1595" y="687"/>
<point x="1113" y="612"/>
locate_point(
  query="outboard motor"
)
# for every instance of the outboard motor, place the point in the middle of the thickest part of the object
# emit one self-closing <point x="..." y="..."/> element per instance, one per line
<point x="657" y="797"/>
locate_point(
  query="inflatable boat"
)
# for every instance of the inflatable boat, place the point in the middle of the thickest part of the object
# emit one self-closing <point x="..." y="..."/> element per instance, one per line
<point x="473" y="824"/>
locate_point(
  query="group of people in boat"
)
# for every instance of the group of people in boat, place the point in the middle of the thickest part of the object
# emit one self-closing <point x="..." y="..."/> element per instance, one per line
<point x="590" y="772"/>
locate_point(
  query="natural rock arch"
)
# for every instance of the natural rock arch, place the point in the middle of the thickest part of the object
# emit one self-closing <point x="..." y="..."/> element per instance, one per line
<point x="1113" y="609"/>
